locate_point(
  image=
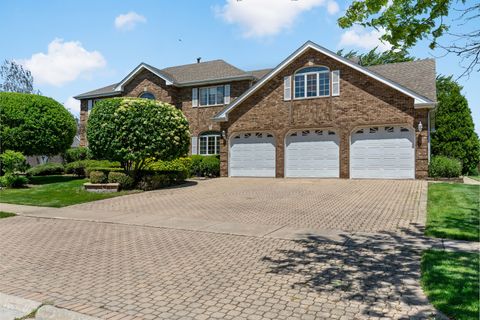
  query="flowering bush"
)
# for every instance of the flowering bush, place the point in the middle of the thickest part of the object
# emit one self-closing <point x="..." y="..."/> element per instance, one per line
<point x="131" y="131"/>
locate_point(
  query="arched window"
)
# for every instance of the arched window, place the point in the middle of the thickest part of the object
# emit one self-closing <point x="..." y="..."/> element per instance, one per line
<point x="209" y="143"/>
<point x="312" y="82"/>
<point x="147" y="95"/>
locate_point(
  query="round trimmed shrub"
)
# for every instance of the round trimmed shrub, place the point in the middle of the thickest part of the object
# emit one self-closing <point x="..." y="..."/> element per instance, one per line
<point x="444" y="167"/>
<point x="125" y="181"/>
<point x="98" y="177"/>
<point x="132" y="130"/>
<point x="76" y="154"/>
<point x="11" y="180"/>
<point x="34" y="124"/>
<point x="46" y="169"/>
<point x="210" y="166"/>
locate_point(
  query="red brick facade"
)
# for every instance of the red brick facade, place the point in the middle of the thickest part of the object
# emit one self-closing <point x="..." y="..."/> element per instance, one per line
<point x="363" y="101"/>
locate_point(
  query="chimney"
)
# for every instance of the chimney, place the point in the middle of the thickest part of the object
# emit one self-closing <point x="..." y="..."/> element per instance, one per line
<point x="198" y="59"/>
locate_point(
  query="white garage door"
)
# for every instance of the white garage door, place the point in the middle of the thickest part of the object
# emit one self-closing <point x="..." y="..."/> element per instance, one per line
<point x="252" y="155"/>
<point x="383" y="153"/>
<point x="312" y="153"/>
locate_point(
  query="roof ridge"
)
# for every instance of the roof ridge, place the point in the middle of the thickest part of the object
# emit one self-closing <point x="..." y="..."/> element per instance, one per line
<point x="194" y="63"/>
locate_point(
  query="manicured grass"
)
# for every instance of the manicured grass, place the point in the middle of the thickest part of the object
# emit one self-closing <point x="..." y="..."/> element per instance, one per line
<point x="4" y="214"/>
<point x="54" y="191"/>
<point x="475" y="177"/>
<point x="450" y="280"/>
<point x="453" y="211"/>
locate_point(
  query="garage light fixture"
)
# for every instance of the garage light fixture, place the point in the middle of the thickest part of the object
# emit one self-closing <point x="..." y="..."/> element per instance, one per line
<point x="420" y="126"/>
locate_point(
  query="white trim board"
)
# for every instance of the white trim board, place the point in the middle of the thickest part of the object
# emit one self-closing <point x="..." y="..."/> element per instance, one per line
<point x="140" y="67"/>
<point x="420" y="101"/>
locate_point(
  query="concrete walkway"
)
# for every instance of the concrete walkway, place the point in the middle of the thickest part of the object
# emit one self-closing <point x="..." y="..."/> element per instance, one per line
<point x="468" y="180"/>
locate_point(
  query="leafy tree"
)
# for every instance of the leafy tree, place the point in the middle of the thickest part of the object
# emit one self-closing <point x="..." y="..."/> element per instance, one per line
<point x="34" y="124"/>
<point x="374" y="57"/>
<point x="132" y="131"/>
<point x="16" y="78"/>
<point x="405" y="22"/>
<point x="455" y="135"/>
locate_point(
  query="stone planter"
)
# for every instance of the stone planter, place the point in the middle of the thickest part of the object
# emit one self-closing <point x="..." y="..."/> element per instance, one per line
<point x="101" y="187"/>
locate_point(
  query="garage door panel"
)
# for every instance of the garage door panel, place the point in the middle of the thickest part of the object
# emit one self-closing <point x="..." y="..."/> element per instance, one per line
<point x="382" y="153"/>
<point x="312" y="153"/>
<point x="252" y="155"/>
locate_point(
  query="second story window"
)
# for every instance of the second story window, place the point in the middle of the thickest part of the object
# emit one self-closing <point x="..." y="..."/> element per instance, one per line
<point x="212" y="95"/>
<point x="312" y="82"/>
<point x="147" y="95"/>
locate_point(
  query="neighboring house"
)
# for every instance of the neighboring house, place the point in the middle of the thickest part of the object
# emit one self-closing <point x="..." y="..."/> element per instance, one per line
<point x="316" y="114"/>
<point x="36" y="160"/>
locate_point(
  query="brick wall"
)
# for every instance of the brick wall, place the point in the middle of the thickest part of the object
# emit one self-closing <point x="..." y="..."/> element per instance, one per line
<point x="362" y="101"/>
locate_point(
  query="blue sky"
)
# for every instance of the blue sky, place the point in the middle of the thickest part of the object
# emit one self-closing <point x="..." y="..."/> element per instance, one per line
<point x="77" y="46"/>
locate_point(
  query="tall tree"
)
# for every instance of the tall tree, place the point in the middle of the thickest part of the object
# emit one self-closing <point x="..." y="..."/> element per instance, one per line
<point x="16" y="78"/>
<point x="455" y="133"/>
<point x="374" y="57"/>
<point x="405" y="22"/>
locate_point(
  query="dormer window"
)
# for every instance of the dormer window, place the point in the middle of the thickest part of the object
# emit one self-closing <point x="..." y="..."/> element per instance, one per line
<point x="312" y="82"/>
<point x="147" y="95"/>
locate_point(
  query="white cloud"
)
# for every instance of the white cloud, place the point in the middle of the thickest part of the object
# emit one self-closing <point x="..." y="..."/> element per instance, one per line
<point x="72" y="105"/>
<point x="332" y="7"/>
<point x="357" y="37"/>
<point x="63" y="62"/>
<point x="128" y="21"/>
<point x="260" y="18"/>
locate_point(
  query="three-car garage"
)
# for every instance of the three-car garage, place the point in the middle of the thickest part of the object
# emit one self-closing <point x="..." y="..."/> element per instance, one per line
<point x="376" y="152"/>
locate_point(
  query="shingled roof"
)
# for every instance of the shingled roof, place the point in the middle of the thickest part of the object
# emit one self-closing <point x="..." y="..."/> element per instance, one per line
<point x="418" y="76"/>
<point x="204" y="71"/>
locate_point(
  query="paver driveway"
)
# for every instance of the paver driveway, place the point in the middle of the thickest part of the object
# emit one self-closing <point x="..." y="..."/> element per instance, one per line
<point x="112" y="270"/>
<point x="117" y="271"/>
<point x="349" y="205"/>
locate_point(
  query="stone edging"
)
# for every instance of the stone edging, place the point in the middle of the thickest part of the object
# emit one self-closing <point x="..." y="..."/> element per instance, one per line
<point x="22" y="307"/>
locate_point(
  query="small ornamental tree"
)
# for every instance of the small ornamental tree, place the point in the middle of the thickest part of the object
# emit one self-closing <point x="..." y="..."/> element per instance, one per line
<point x="34" y="124"/>
<point x="454" y="134"/>
<point x="132" y="131"/>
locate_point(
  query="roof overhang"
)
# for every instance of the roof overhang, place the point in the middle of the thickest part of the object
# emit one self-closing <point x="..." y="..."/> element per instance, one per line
<point x="419" y="100"/>
<point x="137" y="70"/>
<point x="98" y="95"/>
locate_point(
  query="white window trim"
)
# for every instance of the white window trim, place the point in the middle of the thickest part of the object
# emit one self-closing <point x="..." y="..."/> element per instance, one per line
<point x="318" y="85"/>
<point x="216" y="136"/>
<point x="208" y="104"/>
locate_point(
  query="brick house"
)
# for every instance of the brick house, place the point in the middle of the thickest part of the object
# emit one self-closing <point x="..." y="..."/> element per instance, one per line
<point x="315" y="114"/>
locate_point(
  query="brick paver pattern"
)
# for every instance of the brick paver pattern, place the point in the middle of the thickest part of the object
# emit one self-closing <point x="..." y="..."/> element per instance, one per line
<point x="349" y="205"/>
<point x="117" y="271"/>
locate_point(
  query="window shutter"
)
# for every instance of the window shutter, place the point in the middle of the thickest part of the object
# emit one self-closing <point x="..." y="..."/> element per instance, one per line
<point x="336" y="83"/>
<point x="226" y="94"/>
<point x="194" y="145"/>
<point x="287" y="88"/>
<point x="195" y="97"/>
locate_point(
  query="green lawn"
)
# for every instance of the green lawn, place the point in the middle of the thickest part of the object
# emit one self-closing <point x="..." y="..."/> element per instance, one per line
<point x="54" y="191"/>
<point x="4" y="214"/>
<point x="450" y="280"/>
<point x="453" y="211"/>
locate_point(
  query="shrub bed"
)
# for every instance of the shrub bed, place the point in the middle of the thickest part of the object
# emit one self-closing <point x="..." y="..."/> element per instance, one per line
<point x="98" y="177"/>
<point x="46" y="169"/>
<point x="78" y="167"/>
<point x="11" y="180"/>
<point x="152" y="180"/>
<point x="444" y="167"/>
<point x="205" y="166"/>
